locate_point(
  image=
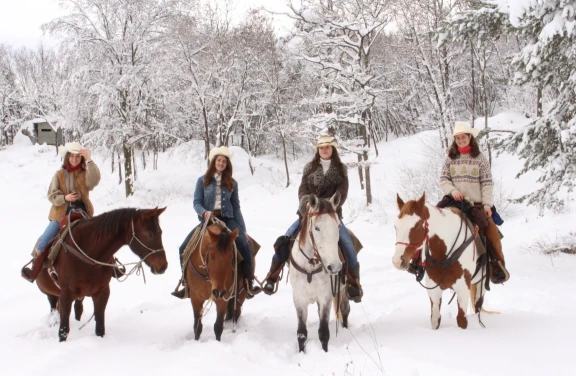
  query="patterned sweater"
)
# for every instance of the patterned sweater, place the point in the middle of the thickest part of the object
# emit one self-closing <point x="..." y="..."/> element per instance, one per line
<point x="471" y="176"/>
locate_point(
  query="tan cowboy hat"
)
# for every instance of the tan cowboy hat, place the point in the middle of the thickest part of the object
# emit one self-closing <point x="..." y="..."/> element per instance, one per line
<point x="69" y="147"/>
<point x="326" y="140"/>
<point x="222" y="150"/>
<point x="464" y="127"/>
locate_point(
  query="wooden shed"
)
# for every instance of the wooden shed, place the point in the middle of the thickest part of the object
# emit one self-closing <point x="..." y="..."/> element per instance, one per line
<point x="48" y="133"/>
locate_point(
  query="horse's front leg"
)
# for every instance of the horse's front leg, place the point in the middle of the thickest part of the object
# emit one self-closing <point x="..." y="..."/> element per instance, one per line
<point x="197" y="308"/>
<point x="302" y="313"/>
<point x="324" y="315"/>
<point x="220" y="312"/>
<point x="435" y="304"/>
<point x="100" y="301"/>
<point x="65" y="309"/>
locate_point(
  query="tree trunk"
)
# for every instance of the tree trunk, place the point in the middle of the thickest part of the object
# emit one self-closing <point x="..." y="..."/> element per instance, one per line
<point x="473" y="84"/>
<point x="143" y="160"/>
<point x="134" y="170"/>
<point x="206" y="140"/>
<point x="539" y="102"/>
<point x="285" y="159"/>
<point x="119" y="167"/>
<point x="128" y="177"/>
<point x="112" y="159"/>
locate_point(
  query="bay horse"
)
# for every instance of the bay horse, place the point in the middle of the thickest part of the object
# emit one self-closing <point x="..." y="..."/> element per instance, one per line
<point x="212" y="274"/>
<point x="315" y="267"/>
<point x="426" y="232"/>
<point x="83" y="265"/>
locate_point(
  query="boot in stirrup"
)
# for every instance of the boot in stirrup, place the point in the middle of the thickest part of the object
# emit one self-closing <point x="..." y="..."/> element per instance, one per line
<point x="499" y="273"/>
<point x="354" y="289"/>
<point x="30" y="274"/>
<point x="273" y="277"/>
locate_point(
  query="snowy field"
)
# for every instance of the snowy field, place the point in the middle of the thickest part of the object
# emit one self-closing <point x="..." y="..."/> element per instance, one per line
<point x="149" y="332"/>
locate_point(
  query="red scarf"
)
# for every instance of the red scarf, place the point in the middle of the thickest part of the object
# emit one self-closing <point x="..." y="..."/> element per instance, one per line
<point x="465" y="149"/>
<point x="72" y="169"/>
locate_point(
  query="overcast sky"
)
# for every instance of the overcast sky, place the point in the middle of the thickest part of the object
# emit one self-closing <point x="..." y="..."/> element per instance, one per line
<point x="20" y="20"/>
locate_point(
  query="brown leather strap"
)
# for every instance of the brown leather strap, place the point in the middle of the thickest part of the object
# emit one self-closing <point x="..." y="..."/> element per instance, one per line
<point x="302" y="270"/>
<point x="217" y="213"/>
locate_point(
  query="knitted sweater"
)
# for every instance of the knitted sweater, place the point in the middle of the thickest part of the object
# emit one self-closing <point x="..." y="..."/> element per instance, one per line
<point x="471" y="176"/>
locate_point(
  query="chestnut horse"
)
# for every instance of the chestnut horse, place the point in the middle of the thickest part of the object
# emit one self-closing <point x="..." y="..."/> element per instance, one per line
<point x="315" y="267"/>
<point x="425" y="231"/>
<point x="84" y="264"/>
<point x="212" y="274"/>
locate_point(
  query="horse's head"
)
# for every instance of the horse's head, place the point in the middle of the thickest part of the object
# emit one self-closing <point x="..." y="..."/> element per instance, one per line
<point x="320" y="227"/>
<point x="146" y="241"/>
<point x="411" y="230"/>
<point x="220" y="260"/>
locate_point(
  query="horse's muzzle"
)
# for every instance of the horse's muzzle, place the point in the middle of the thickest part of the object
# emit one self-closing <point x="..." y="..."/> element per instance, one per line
<point x="334" y="268"/>
<point x="400" y="263"/>
<point x="159" y="270"/>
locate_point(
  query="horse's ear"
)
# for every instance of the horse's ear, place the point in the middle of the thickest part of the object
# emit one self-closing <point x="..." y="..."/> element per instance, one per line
<point x="313" y="200"/>
<point x="335" y="199"/>
<point x="161" y="210"/>
<point x="233" y="235"/>
<point x="400" y="202"/>
<point x="422" y="200"/>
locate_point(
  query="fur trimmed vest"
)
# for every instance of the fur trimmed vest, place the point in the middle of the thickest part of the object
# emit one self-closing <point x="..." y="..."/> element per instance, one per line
<point x="322" y="185"/>
<point x="58" y="189"/>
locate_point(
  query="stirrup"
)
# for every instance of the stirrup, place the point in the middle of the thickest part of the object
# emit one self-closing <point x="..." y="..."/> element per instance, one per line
<point x="270" y="288"/>
<point x="355" y="298"/>
<point x="180" y="294"/>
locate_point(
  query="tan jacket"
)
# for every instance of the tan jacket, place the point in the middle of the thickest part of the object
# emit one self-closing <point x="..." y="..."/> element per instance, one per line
<point x="63" y="182"/>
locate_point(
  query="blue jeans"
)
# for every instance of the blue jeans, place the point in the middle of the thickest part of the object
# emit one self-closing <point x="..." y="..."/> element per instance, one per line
<point x="241" y="241"/>
<point x="345" y="242"/>
<point x="48" y="235"/>
<point x="53" y="228"/>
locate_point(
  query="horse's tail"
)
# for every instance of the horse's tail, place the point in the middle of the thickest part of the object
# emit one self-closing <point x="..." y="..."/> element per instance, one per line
<point x="473" y="291"/>
<point x="337" y="300"/>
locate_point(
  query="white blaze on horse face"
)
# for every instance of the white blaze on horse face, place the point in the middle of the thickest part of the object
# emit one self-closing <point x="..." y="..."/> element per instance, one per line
<point x="403" y="226"/>
<point x="326" y="234"/>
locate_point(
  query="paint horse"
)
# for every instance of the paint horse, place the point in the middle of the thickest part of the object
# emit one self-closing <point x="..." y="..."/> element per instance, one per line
<point x="84" y="265"/>
<point x="212" y="274"/>
<point x="425" y="232"/>
<point x="315" y="267"/>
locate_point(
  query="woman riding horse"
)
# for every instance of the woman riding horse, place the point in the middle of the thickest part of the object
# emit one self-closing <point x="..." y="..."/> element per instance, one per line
<point x="466" y="173"/>
<point x="216" y="194"/>
<point x="70" y="188"/>
<point x="323" y="176"/>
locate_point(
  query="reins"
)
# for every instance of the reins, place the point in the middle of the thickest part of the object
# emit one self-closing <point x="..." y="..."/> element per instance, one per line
<point x="89" y="260"/>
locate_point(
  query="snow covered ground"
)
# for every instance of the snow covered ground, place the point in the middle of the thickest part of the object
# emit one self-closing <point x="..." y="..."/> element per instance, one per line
<point x="149" y="332"/>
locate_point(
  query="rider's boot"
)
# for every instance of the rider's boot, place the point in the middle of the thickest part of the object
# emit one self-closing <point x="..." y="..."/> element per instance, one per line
<point x="354" y="289"/>
<point x="30" y="274"/>
<point x="248" y="276"/>
<point x="499" y="274"/>
<point x="273" y="276"/>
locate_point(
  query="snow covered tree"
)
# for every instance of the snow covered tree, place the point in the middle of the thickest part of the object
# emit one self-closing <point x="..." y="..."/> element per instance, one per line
<point x="337" y="39"/>
<point x="117" y="46"/>
<point x="548" y="145"/>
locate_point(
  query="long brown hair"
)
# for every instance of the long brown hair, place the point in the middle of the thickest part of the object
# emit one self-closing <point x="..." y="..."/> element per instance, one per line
<point x="335" y="159"/>
<point x="453" y="152"/>
<point x="66" y="162"/>
<point x="227" y="180"/>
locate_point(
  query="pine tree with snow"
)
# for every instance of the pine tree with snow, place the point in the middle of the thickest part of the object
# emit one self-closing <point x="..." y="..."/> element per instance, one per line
<point x="548" y="145"/>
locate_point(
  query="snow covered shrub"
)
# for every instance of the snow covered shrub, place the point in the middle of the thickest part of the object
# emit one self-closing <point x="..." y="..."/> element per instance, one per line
<point x="564" y="244"/>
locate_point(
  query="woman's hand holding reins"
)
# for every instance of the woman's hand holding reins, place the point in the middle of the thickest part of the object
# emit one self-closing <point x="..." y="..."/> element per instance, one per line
<point x="71" y="197"/>
<point x="206" y="214"/>
<point x="458" y="196"/>
<point x="488" y="212"/>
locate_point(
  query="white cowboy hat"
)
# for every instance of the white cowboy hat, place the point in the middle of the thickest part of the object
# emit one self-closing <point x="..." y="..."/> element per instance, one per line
<point x="70" y="147"/>
<point x="464" y="127"/>
<point x="222" y="150"/>
<point x="326" y="140"/>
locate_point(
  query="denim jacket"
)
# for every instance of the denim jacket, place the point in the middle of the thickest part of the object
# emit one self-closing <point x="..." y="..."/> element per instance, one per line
<point x="205" y="198"/>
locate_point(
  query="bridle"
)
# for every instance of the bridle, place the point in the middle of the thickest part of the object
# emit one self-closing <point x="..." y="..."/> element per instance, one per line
<point x="316" y="258"/>
<point x="134" y="237"/>
<point x="424" y="241"/>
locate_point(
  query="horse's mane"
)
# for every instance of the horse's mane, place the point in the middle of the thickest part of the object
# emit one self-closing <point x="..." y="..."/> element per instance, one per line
<point x="110" y="222"/>
<point x="223" y="240"/>
<point x="324" y="206"/>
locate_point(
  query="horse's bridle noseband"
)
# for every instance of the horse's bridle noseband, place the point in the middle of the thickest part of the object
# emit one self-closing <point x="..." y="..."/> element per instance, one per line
<point x="424" y="241"/>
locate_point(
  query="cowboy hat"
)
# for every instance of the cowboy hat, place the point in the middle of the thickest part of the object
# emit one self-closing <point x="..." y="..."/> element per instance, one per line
<point x="326" y="140"/>
<point x="222" y="150"/>
<point x="463" y="127"/>
<point x="69" y="147"/>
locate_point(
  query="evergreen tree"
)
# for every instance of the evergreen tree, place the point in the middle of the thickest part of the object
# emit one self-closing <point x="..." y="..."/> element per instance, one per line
<point x="548" y="144"/>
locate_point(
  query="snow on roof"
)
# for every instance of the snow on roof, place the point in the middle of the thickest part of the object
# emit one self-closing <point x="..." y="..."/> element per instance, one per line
<point x="51" y="120"/>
